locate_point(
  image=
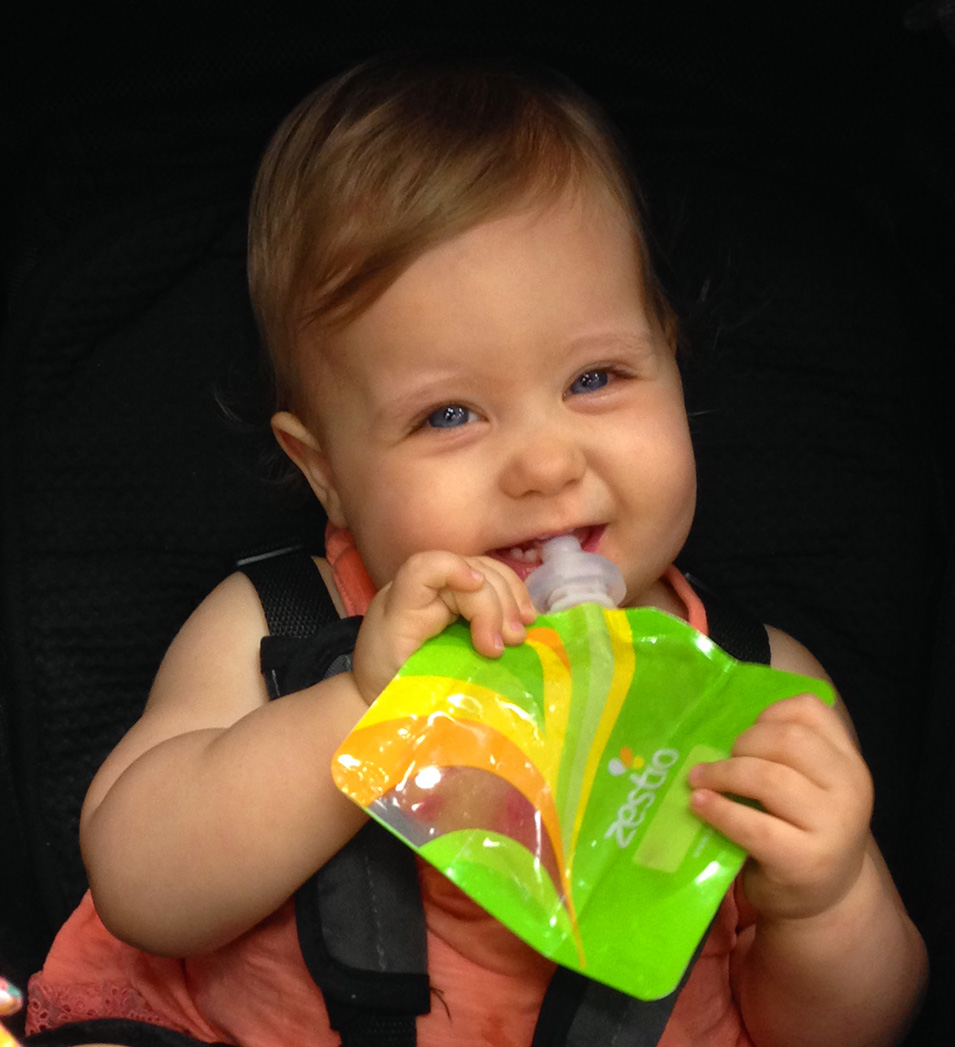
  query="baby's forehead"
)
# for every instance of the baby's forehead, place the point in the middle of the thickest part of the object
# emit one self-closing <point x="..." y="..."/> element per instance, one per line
<point x="358" y="274"/>
<point x="554" y="270"/>
<point x="323" y="347"/>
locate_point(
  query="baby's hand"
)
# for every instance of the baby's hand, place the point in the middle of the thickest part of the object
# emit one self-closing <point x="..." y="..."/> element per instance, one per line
<point x="808" y="843"/>
<point x="429" y="592"/>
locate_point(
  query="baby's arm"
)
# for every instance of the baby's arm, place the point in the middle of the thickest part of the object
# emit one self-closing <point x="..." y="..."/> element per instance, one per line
<point x="218" y="803"/>
<point x="832" y="958"/>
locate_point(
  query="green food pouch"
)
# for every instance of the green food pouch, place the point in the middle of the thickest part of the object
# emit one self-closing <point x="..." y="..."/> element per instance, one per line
<point x="550" y="784"/>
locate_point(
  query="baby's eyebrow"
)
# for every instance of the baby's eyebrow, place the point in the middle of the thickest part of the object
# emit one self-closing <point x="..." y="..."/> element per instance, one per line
<point x="428" y="391"/>
<point x="398" y="406"/>
<point x="636" y="340"/>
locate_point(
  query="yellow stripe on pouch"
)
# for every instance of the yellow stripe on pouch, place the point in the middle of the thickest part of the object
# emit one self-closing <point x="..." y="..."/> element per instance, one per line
<point x="610" y="702"/>
<point x="426" y="697"/>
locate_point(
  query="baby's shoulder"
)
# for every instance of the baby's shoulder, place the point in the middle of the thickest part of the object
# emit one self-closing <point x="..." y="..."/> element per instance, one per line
<point x="230" y="613"/>
<point x="215" y="654"/>
<point x="791" y="656"/>
<point x="233" y="613"/>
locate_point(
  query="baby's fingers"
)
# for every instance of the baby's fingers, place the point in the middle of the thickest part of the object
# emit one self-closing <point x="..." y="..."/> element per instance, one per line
<point x="495" y="611"/>
<point x="764" y="836"/>
<point x="425" y="575"/>
<point x="809" y="737"/>
<point x="781" y="790"/>
<point x="515" y="599"/>
<point x="811" y="713"/>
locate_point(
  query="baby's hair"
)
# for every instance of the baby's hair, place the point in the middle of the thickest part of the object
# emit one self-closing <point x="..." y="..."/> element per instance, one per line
<point x="398" y="155"/>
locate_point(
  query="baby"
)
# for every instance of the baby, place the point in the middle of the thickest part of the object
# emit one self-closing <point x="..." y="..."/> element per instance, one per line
<point x="471" y="355"/>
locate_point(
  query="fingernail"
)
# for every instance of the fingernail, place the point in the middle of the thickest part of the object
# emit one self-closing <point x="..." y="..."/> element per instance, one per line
<point x="698" y="798"/>
<point x="517" y="630"/>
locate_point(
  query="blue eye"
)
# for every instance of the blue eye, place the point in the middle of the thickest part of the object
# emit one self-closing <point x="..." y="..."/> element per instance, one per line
<point x="589" y="382"/>
<point x="451" y="416"/>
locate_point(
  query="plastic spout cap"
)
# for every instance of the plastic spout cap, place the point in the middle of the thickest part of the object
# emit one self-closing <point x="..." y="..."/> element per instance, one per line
<point x="568" y="576"/>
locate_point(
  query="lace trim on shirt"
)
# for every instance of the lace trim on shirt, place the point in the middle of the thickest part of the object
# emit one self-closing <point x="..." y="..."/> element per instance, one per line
<point x="81" y="1003"/>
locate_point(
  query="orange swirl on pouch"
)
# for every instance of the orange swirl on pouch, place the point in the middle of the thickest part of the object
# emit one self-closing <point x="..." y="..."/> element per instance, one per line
<point x="444" y="741"/>
<point x="549" y="637"/>
<point x="427" y="696"/>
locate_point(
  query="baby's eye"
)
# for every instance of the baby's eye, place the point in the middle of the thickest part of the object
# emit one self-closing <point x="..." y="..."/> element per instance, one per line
<point x="452" y="416"/>
<point x="589" y="382"/>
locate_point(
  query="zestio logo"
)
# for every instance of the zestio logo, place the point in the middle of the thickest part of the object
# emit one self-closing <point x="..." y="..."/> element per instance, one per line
<point x="646" y="779"/>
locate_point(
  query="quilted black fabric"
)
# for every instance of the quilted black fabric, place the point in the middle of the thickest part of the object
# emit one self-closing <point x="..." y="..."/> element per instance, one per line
<point x="129" y="492"/>
<point x="799" y="169"/>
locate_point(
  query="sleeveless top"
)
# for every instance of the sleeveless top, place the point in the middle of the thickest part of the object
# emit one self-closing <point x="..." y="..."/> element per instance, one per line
<point x="487" y="985"/>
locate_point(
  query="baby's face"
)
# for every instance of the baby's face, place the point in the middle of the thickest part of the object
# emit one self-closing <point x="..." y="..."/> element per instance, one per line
<point x="508" y="387"/>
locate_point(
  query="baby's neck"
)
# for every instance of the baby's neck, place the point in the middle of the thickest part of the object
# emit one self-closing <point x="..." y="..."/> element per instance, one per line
<point x="664" y="597"/>
<point x="674" y="594"/>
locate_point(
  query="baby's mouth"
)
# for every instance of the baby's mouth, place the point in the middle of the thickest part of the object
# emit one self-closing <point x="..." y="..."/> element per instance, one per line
<point x="525" y="557"/>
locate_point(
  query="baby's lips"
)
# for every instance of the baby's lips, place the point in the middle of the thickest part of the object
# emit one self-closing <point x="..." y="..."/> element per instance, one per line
<point x="524" y="557"/>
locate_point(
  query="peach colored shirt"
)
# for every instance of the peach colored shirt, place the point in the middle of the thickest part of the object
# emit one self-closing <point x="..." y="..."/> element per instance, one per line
<point x="487" y="985"/>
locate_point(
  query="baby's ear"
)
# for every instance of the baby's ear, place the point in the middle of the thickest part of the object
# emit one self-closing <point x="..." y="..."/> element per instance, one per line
<point x="670" y="326"/>
<point x="306" y="452"/>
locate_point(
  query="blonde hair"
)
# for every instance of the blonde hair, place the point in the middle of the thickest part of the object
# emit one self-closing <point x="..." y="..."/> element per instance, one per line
<point x="396" y="156"/>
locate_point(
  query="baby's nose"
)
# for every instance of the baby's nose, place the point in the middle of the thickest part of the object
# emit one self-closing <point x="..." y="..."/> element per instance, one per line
<point x="544" y="463"/>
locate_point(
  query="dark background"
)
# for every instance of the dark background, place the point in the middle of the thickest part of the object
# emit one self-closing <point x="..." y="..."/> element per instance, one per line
<point x="800" y="171"/>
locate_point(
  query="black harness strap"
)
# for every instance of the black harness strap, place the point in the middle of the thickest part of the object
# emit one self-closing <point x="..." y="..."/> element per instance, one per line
<point x="360" y="918"/>
<point x="738" y="633"/>
<point x="289" y="664"/>
<point x="286" y="580"/>
<point x="362" y="932"/>
<point x="579" y="1012"/>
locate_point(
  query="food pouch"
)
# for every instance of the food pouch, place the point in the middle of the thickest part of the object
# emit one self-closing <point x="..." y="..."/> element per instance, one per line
<point x="550" y="784"/>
